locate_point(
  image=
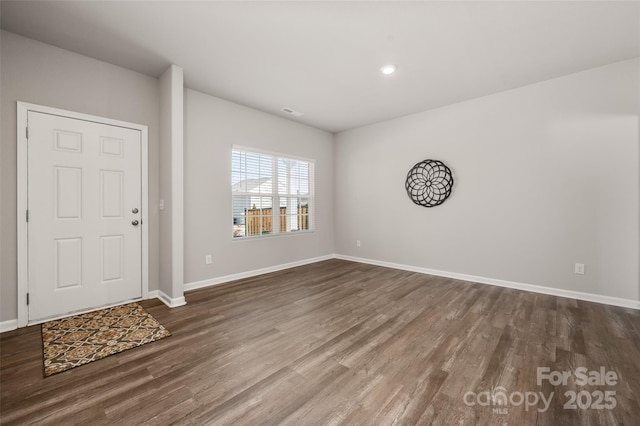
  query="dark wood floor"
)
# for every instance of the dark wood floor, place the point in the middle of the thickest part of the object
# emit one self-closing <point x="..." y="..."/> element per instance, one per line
<point x="340" y="343"/>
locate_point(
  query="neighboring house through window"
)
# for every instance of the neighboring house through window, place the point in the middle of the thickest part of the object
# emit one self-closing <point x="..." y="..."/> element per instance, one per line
<point x="260" y="181"/>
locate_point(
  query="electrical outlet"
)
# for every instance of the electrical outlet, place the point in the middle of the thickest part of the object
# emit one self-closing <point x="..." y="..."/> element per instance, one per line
<point x="208" y="259"/>
<point x="579" y="269"/>
<point x="358" y="244"/>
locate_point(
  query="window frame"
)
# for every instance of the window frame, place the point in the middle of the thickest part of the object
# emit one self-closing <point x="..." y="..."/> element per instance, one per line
<point x="275" y="194"/>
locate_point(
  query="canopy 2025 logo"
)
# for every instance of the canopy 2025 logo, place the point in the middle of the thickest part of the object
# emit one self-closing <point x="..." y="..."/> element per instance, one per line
<point x="500" y="400"/>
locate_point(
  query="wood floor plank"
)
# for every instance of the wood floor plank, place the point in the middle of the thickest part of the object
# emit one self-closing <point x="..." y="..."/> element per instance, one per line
<point x="340" y="343"/>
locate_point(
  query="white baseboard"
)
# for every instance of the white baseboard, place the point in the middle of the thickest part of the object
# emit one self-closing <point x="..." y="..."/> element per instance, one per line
<point x="253" y="273"/>
<point x="153" y="294"/>
<point x="170" y="302"/>
<point x="589" y="297"/>
<point x="180" y="301"/>
<point x="8" y="325"/>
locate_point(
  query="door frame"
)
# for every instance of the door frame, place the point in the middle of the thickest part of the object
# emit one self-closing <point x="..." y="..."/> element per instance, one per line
<point x="23" y="108"/>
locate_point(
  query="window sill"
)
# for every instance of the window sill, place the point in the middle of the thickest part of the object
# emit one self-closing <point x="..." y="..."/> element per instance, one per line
<point x="271" y="236"/>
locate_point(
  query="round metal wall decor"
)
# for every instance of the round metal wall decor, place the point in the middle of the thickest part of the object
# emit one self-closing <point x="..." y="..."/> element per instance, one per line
<point x="429" y="183"/>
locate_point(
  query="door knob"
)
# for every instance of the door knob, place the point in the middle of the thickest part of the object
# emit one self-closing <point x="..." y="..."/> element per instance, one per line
<point x="134" y="211"/>
<point x="134" y="222"/>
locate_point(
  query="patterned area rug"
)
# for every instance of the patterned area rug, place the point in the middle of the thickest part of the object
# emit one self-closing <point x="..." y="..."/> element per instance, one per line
<point x="81" y="339"/>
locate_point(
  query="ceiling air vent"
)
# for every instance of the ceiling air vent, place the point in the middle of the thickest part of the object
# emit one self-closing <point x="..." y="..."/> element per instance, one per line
<point x="292" y="112"/>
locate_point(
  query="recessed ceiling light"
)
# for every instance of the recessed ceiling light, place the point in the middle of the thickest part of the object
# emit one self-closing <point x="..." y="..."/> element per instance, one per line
<point x="388" y="69"/>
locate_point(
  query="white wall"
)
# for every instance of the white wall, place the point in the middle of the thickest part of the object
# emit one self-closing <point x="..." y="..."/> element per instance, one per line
<point x="42" y="74"/>
<point x="212" y="127"/>
<point x="166" y="218"/>
<point x="171" y="87"/>
<point x="545" y="176"/>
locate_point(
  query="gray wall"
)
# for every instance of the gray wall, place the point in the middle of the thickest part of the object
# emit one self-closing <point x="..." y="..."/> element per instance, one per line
<point x="212" y="127"/>
<point x="546" y="176"/>
<point x="42" y="74"/>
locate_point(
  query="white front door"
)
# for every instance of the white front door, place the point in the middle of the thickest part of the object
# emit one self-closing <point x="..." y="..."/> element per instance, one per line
<point x="84" y="215"/>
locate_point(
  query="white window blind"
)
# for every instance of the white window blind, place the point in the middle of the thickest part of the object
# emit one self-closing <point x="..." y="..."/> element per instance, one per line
<point x="271" y="194"/>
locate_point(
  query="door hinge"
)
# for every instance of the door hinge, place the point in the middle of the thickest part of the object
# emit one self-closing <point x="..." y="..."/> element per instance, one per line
<point x="27" y="133"/>
<point x="27" y="215"/>
<point x="27" y="298"/>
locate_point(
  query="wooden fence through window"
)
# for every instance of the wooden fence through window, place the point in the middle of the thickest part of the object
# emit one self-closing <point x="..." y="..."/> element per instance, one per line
<point x="260" y="221"/>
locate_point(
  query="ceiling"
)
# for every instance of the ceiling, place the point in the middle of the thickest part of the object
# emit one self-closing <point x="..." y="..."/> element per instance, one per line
<point x="323" y="58"/>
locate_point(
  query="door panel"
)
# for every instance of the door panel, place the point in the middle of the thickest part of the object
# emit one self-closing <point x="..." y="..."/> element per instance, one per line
<point x="112" y="258"/>
<point x="67" y="192"/>
<point x="111" y="193"/>
<point x="67" y="263"/>
<point x="84" y="183"/>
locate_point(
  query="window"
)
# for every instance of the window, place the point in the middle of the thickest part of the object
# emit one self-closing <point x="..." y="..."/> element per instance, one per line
<point x="260" y="181"/>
